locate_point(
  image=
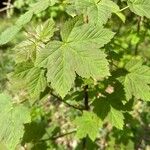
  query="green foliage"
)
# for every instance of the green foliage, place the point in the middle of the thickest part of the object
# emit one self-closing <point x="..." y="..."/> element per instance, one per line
<point x="109" y="110"/>
<point x="116" y="118"/>
<point x="12" y="121"/>
<point x="140" y="7"/>
<point x="24" y="19"/>
<point x="8" y="34"/>
<point x="36" y="82"/>
<point x="79" y="69"/>
<point x="45" y="31"/>
<point x="98" y="11"/>
<point x="73" y="54"/>
<point x="39" y="6"/>
<point x="33" y="77"/>
<point x="137" y="80"/>
<point x="88" y="124"/>
<point x="24" y="51"/>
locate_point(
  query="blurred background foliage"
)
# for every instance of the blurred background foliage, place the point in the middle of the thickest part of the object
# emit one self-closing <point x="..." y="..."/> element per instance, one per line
<point x="49" y="116"/>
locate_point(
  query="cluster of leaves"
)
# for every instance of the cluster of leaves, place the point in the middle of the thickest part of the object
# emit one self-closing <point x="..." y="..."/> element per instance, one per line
<point x="75" y="62"/>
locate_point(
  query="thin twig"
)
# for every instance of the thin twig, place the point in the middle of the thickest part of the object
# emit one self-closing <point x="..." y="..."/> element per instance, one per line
<point x="57" y="137"/>
<point x="98" y="1"/>
<point x="138" y="33"/>
<point x="5" y="8"/>
<point x="23" y="101"/>
<point x="8" y="6"/>
<point x="60" y="99"/>
<point x="87" y="108"/>
<point x="124" y="8"/>
<point x="86" y="98"/>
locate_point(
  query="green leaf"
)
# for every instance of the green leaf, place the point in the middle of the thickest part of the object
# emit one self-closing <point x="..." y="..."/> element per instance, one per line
<point x="109" y="110"/>
<point x="69" y="26"/>
<point x="53" y="2"/>
<point x="9" y="34"/>
<point x="98" y="11"/>
<point x="116" y="118"/>
<point x="45" y="31"/>
<point x="90" y="145"/>
<point x="137" y="81"/>
<point x="59" y="62"/>
<point x="36" y="82"/>
<point x="39" y="6"/>
<point x="25" y="18"/>
<point x="12" y="120"/>
<point x="22" y="70"/>
<point x="78" y="52"/>
<point x="88" y="124"/>
<point x="101" y="108"/>
<point x="25" y="51"/>
<point x="33" y="77"/>
<point x="121" y="16"/>
<point x="140" y="7"/>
